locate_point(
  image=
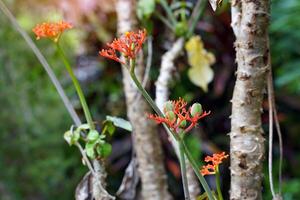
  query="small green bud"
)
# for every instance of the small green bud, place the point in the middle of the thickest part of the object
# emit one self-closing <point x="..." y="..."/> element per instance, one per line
<point x="181" y="28"/>
<point x="196" y="109"/>
<point x="182" y="123"/>
<point x="170" y="115"/>
<point x="93" y="135"/>
<point x="168" y="106"/>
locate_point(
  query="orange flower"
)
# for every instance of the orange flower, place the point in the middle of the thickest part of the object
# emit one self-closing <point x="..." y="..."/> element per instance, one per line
<point x="216" y="160"/>
<point x="51" y="30"/>
<point x="127" y="45"/>
<point x="178" y="117"/>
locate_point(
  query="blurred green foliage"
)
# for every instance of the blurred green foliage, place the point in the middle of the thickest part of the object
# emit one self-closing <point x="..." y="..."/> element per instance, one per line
<point x="285" y="37"/>
<point x="35" y="162"/>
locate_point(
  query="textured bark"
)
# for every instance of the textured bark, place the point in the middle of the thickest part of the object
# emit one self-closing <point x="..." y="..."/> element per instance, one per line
<point x="147" y="143"/>
<point x="250" y="19"/>
<point x="162" y="95"/>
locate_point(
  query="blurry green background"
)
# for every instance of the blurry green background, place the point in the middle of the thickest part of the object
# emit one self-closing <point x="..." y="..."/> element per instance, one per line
<point x="35" y="161"/>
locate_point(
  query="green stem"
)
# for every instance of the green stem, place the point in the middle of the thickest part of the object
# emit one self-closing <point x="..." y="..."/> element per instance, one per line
<point x="164" y="4"/>
<point x="164" y="20"/>
<point x="183" y="172"/>
<point x="196" y="169"/>
<point x="197" y="13"/>
<point x="77" y="87"/>
<point x="218" y="184"/>
<point x="185" y="149"/>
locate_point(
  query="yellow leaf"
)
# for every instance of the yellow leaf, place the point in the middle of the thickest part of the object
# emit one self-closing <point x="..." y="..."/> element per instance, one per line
<point x="200" y="61"/>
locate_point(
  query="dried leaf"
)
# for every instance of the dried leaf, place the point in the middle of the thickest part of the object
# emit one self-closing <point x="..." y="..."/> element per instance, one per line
<point x="215" y="3"/>
<point x="200" y="61"/>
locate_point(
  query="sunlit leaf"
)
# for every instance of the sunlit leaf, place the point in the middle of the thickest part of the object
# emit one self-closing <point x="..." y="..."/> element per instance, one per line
<point x="119" y="122"/>
<point x="145" y="8"/>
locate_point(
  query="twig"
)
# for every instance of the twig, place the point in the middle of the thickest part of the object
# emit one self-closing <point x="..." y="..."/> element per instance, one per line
<point x="197" y="13"/>
<point x="272" y="110"/>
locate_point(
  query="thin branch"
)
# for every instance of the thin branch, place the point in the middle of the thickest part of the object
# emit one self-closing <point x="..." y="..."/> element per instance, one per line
<point x="270" y="160"/>
<point x="197" y="13"/>
<point x="164" y="20"/>
<point x="273" y="118"/>
<point x="168" y="10"/>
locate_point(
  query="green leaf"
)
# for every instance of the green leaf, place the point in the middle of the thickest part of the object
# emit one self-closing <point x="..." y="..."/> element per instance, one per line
<point x="75" y="136"/>
<point x="145" y="9"/>
<point x="71" y="136"/>
<point x="68" y="137"/>
<point x="93" y="135"/>
<point x="119" y="122"/>
<point x="83" y="127"/>
<point x="89" y="148"/>
<point x="111" y="129"/>
<point x="104" y="150"/>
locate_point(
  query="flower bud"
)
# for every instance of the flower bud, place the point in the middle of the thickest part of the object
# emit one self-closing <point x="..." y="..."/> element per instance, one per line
<point x="182" y="123"/>
<point x="196" y="109"/>
<point x="170" y="115"/>
<point x="168" y="106"/>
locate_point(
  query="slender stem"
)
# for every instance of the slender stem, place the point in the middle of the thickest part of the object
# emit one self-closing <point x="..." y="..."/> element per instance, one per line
<point x="164" y="4"/>
<point x="198" y="11"/>
<point x="197" y="171"/>
<point x="77" y="87"/>
<point x="185" y="149"/>
<point x="218" y="184"/>
<point x="183" y="172"/>
<point x="164" y="20"/>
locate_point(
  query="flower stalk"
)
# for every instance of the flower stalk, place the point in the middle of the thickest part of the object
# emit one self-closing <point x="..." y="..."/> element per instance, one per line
<point x="183" y="172"/>
<point x="218" y="184"/>
<point x="181" y="141"/>
<point x="128" y="45"/>
<point x="79" y="91"/>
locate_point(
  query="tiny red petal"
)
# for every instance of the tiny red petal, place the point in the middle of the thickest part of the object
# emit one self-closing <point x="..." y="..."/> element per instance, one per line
<point x="51" y="30"/>
<point x="128" y="44"/>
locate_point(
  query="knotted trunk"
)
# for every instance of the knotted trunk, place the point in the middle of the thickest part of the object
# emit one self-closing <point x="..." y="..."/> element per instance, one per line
<point x="250" y="20"/>
<point x="145" y="138"/>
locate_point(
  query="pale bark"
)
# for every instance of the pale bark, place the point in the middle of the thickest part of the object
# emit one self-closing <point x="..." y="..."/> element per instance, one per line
<point x="146" y="141"/>
<point x="250" y="20"/>
<point x="162" y="95"/>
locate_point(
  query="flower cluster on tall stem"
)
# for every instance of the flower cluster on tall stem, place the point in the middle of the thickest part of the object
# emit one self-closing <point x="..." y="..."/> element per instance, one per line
<point x="51" y="30"/>
<point x="178" y="117"/>
<point x="128" y="45"/>
<point x="215" y="161"/>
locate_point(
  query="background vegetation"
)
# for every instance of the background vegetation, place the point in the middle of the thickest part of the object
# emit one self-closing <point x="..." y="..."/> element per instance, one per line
<point x="35" y="161"/>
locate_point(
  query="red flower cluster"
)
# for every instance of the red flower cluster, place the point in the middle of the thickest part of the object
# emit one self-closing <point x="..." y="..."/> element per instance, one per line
<point x="128" y="45"/>
<point x="178" y="118"/>
<point x="51" y="30"/>
<point x="216" y="160"/>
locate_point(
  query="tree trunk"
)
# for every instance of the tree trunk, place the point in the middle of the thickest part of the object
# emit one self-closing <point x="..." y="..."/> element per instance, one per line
<point x="146" y="140"/>
<point x="250" y="20"/>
